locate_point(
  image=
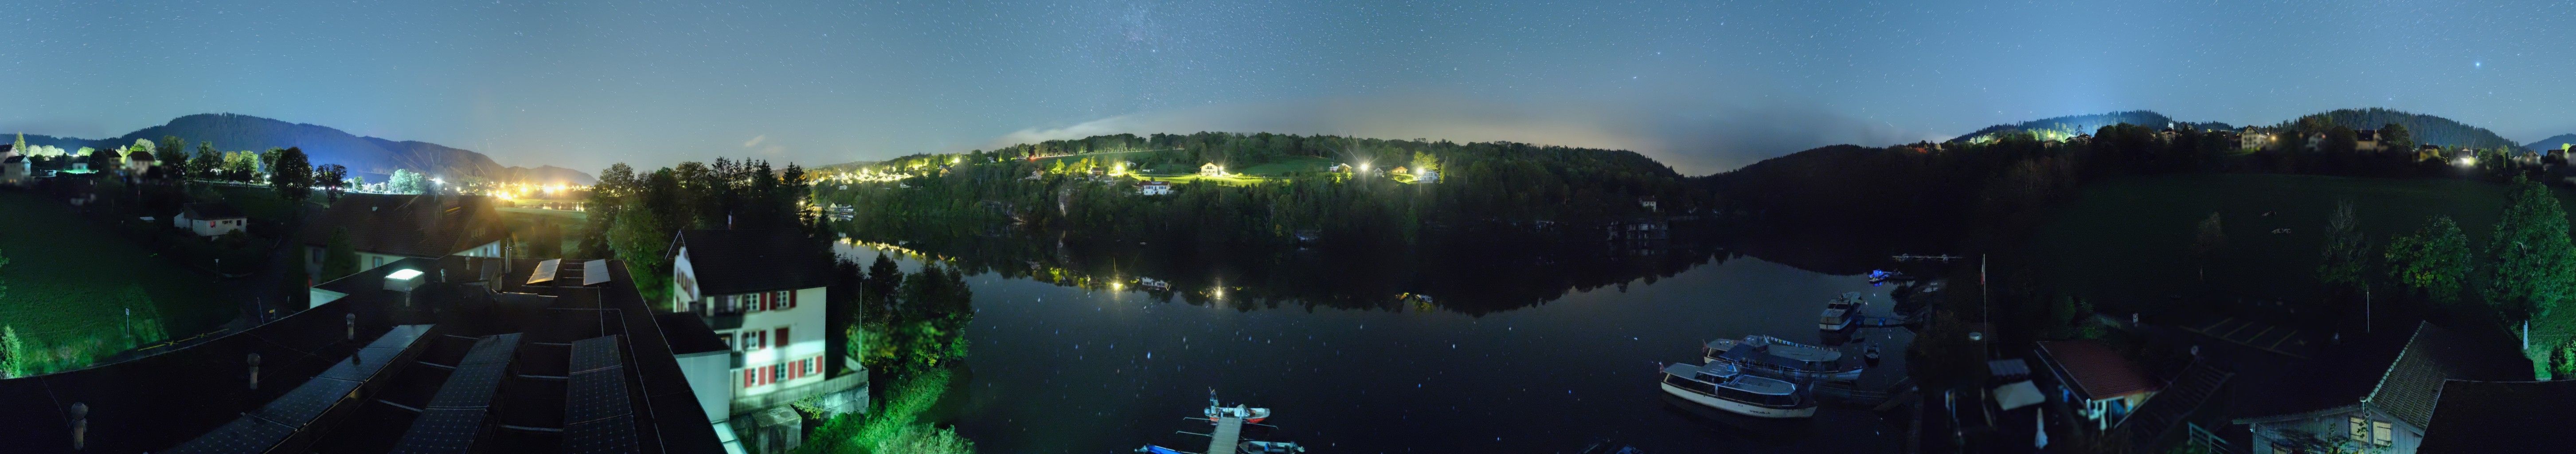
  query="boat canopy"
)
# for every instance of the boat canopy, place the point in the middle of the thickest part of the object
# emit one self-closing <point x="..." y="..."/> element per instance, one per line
<point x="1712" y="373"/>
<point x="1760" y="385"/>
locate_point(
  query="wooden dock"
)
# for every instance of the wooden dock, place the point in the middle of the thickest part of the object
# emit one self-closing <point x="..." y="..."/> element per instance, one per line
<point x="1229" y="432"/>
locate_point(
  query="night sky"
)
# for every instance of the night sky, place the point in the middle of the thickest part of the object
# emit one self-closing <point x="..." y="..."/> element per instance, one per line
<point x="1704" y="85"/>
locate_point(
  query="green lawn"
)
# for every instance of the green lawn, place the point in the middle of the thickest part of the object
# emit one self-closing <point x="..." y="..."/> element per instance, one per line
<point x="2132" y="236"/>
<point x="1283" y="166"/>
<point x="70" y="282"/>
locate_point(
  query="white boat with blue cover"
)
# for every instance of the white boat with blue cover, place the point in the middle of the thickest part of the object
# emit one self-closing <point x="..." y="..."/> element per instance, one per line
<point x="1723" y="387"/>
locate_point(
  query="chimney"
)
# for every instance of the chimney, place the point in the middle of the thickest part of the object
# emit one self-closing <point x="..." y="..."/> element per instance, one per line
<point x="404" y="280"/>
<point x="80" y="426"/>
<point x="254" y="371"/>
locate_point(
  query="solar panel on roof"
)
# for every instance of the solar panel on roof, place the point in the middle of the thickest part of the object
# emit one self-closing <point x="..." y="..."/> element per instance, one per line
<point x="494" y="349"/>
<point x="594" y="272"/>
<point x="471" y="386"/>
<point x="594" y="353"/>
<point x="605" y="436"/>
<point x="596" y="394"/>
<point x="246" y="435"/>
<point x="545" y="271"/>
<point x="299" y="406"/>
<point x="441" y="430"/>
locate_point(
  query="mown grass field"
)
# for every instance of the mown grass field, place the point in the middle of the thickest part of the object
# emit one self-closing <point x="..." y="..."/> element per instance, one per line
<point x="71" y="283"/>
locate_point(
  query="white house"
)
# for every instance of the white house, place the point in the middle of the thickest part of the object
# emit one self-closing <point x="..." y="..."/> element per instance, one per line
<point x="384" y="228"/>
<point x="1154" y="188"/>
<point x="2365" y="140"/>
<point x="2373" y="394"/>
<point x="210" y="219"/>
<point x="1211" y="170"/>
<point x="762" y="292"/>
<point x="1426" y="175"/>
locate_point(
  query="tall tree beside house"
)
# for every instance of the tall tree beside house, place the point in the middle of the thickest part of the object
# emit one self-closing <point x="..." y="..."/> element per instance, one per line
<point x="291" y="176"/>
<point x="339" y="256"/>
<point x="2534" y="265"/>
<point x="172" y="156"/>
<point x="2394" y="138"/>
<point x="2433" y="261"/>
<point x="333" y="179"/>
<point x="2347" y="253"/>
<point x="2209" y="237"/>
<point x="207" y="163"/>
<point x="21" y="144"/>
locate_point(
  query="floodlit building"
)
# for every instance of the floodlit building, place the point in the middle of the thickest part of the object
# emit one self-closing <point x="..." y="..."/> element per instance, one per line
<point x="760" y="294"/>
<point x="1211" y="170"/>
<point x="1154" y="188"/>
<point x="209" y="219"/>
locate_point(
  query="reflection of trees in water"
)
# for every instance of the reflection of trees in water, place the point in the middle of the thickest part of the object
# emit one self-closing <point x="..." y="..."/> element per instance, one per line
<point x="1476" y="279"/>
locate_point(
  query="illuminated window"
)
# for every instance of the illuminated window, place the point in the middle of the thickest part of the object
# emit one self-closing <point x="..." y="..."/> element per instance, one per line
<point x="2360" y="430"/>
<point x="2382" y="433"/>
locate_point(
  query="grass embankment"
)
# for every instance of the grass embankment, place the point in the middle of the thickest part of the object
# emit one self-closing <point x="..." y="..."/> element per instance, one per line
<point x="70" y="285"/>
<point x="2133" y="236"/>
<point x="894" y="425"/>
<point x="2127" y="242"/>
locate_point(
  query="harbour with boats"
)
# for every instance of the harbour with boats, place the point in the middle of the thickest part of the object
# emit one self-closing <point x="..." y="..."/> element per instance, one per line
<point x="1596" y="368"/>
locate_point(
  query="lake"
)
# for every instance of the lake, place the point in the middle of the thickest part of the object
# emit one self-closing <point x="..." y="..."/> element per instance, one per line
<point x="1069" y="356"/>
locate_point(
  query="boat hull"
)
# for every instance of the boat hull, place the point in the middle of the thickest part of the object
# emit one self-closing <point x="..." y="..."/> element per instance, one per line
<point x="1739" y="407"/>
<point x="1846" y="324"/>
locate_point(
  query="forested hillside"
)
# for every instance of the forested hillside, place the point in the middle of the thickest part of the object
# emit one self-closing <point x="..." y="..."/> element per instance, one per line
<point x="2426" y="129"/>
<point x="1277" y="187"/>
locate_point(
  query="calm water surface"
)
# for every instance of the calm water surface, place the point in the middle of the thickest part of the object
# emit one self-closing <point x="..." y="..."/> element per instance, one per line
<point x="1059" y="369"/>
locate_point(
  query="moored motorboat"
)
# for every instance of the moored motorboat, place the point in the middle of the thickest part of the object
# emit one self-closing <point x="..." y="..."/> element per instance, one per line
<point x="1773" y="345"/>
<point x="1769" y="356"/>
<point x="1271" y="447"/>
<point x="1724" y="387"/>
<point x="1249" y="414"/>
<point x="1840" y="312"/>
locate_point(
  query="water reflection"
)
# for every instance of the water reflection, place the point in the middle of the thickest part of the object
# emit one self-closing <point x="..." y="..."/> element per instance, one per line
<point x="1474" y="279"/>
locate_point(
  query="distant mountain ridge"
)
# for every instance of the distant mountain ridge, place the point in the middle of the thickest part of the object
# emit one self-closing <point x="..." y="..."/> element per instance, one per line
<point x="2073" y="125"/>
<point x="325" y="145"/>
<point x="2552" y="143"/>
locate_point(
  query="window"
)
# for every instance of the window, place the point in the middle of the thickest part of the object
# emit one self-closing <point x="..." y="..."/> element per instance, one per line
<point x="750" y="377"/>
<point x="2359" y="430"/>
<point x="777" y="374"/>
<point x="2382" y="433"/>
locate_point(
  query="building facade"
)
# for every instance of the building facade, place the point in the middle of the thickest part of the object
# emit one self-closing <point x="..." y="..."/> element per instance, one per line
<point x="762" y="294"/>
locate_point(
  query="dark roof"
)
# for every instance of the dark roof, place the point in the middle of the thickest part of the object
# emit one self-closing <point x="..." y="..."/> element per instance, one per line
<point x="210" y="210"/>
<point x="2399" y="373"/>
<point x="756" y="260"/>
<point x="139" y="157"/>
<point x="409" y="225"/>
<point x="2501" y="416"/>
<point x="15" y="159"/>
<point x="689" y="333"/>
<point x="2094" y="370"/>
<point x="2414" y="382"/>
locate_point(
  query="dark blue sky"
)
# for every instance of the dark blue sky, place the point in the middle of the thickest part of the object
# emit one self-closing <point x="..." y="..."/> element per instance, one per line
<point x="1704" y="85"/>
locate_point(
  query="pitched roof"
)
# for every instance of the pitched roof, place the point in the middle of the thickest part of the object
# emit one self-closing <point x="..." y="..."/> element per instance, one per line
<point x="755" y="260"/>
<point x="2399" y="373"/>
<point x="2096" y="371"/>
<point x="409" y="225"/>
<point x="2414" y="382"/>
<point x="2501" y="416"/>
<point x="210" y="210"/>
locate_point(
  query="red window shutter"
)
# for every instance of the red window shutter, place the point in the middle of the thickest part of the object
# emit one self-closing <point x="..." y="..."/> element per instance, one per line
<point x="782" y="338"/>
<point x="750" y="377"/>
<point x="791" y="299"/>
